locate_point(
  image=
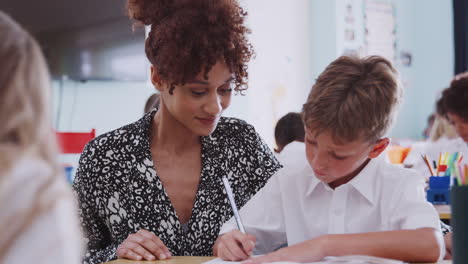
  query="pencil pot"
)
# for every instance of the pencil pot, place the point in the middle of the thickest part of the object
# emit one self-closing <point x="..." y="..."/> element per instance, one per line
<point x="459" y="222"/>
<point x="438" y="192"/>
<point x="439" y="182"/>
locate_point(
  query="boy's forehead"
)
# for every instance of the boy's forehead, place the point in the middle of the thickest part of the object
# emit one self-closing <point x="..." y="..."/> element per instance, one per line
<point x="326" y="138"/>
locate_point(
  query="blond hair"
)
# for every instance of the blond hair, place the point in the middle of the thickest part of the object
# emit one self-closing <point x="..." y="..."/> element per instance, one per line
<point x="354" y="99"/>
<point x="442" y="129"/>
<point x="25" y="128"/>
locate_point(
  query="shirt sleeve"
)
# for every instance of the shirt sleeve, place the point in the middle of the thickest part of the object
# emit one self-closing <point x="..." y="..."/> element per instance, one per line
<point x="100" y="247"/>
<point x="263" y="217"/>
<point x="411" y="210"/>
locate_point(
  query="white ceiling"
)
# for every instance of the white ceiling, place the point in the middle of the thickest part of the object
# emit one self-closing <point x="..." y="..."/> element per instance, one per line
<point x="51" y="15"/>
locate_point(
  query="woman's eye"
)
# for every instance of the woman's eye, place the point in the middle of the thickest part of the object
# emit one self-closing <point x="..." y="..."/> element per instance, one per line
<point x="225" y="91"/>
<point x="195" y="93"/>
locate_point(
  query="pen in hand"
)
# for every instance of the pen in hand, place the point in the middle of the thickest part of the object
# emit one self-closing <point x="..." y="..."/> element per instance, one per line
<point x="233" y="204"/>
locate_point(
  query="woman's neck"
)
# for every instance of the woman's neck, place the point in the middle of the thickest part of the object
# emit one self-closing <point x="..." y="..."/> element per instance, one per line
<point x="169" y="135"/>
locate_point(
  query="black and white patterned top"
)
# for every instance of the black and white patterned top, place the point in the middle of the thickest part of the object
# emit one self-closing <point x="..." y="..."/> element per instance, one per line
<point x="119" y="191"/>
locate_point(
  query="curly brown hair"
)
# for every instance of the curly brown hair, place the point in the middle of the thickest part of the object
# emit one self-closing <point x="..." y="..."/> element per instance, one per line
<point x="190" y="36"/>
<point x="454" y="98"/>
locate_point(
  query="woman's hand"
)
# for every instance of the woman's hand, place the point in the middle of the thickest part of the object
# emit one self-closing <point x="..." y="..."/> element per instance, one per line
<point x="234" y="246"/>
<point x="143" y="245"/>
<point x="307" y="251"/>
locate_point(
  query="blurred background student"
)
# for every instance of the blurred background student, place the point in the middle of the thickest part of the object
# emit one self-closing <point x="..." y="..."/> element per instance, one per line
<point x="289" y="137"/>
<point x="152" y="102"/>
<point x="430" y="122"/>
<point x="37" y="216"/>
<point x="442" y="129"/>
<point x="453" y="105"/>
<point x="449" y="132"/>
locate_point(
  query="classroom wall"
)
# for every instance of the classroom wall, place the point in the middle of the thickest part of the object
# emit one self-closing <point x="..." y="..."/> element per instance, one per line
<point x="103" y="105"/>
<point x="425" y="28"/>
<point x="279" y="75"/>
<point x="294" y="41"/>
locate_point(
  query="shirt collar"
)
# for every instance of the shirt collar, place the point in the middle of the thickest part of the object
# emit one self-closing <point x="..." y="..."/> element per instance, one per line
<point x="364" y="182"/>
<point x="313" y="182"/>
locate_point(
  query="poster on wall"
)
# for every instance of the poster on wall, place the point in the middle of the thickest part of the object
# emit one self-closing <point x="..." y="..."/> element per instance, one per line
<point x="379" y="32"/>
<point x="350" y="27"/>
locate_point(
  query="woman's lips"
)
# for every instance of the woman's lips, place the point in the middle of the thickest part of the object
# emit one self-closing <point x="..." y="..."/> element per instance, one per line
<point x="207" y="121"/>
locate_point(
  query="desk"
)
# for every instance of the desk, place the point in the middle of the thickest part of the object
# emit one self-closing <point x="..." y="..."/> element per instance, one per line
<point x="173" y="260"/>
<point x="195" y="260"/>
<point x="444" y="210"/>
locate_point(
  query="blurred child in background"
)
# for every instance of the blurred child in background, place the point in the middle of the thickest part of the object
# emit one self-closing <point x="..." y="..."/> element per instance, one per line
<point x="38" y="219"/>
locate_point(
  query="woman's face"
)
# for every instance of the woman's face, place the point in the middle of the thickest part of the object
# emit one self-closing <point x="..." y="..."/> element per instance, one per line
<point x="198" y="104"/>
<point x="460" y="124"/>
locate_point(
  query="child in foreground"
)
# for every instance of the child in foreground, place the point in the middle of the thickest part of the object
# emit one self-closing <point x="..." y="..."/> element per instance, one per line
<point x="349" y="201"/>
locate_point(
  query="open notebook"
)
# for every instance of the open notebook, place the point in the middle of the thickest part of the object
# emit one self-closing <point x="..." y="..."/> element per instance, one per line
<point x="356" y="259"/>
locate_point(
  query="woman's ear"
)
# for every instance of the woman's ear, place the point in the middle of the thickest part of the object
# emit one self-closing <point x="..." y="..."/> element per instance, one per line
<point x="156" y="79"/>
<point x="379" y="147"/>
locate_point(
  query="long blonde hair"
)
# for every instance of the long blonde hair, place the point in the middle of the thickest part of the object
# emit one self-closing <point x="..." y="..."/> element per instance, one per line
<point x="25" y="127"/>
<point x="24" y="96"/>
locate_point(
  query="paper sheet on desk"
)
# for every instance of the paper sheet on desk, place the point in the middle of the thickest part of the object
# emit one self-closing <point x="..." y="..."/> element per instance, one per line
<point x="356" y="259"/>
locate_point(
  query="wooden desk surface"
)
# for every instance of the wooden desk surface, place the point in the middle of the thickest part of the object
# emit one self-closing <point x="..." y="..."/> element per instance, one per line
<point x="445" y="212"/>
<point x="196" y="260"/>
<point x="173" y="260"/>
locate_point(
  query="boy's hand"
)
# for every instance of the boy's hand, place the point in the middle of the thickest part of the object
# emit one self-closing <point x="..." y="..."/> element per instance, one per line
<point x="307" y="251"/>
<point x="234" y="246"/>
<point x="448" y="246"/>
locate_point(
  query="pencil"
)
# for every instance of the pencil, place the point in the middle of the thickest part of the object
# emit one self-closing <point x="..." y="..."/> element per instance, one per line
<point x="426" y="160"/>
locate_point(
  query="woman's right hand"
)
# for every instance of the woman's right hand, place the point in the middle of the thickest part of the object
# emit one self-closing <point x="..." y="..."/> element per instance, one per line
<point x="143" y="245"/>
<point x="234" y="246"/>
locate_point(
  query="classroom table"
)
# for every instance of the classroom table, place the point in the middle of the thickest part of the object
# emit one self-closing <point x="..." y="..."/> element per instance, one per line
<point x="445" y="212"/>
<point x="195" y="260"/>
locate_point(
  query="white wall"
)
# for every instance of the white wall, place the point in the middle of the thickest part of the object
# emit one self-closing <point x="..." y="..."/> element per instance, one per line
<point x="280" y="75"/>
<point x="97" y="104"/>
<point x="294" y="41"/>
<point x="425" y="28"/>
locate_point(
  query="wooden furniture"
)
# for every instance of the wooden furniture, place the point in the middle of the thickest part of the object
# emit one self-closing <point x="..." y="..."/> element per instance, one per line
<point x="196" y="260"/>
<point x="173" y="260"/>
<point x="445" y="212"/>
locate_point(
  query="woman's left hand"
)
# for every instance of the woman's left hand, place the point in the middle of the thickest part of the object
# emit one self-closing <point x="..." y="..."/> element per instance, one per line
<point x="307" y="251"/>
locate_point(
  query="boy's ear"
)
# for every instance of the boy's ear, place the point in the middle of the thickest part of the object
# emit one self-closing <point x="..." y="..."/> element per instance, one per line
<point x="379" y="147"/>
<point x="156" y="79"/>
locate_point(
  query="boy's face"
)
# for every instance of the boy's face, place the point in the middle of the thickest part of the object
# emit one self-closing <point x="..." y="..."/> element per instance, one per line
<point x="337" y="164"/>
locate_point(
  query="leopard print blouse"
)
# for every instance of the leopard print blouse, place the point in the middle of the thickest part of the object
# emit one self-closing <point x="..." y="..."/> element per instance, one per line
<point x="119" y="191"/>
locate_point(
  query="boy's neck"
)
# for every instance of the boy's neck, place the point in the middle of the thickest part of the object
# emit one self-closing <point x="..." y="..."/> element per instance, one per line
<point x="349" y="177"/>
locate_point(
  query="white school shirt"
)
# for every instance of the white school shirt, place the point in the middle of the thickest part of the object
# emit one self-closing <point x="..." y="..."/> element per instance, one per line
<point x="292" y="154"/>
<point x="295" y="206"/>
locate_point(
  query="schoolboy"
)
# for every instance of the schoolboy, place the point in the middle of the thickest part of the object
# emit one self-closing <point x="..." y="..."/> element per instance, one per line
<point x="349" y="201"/>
